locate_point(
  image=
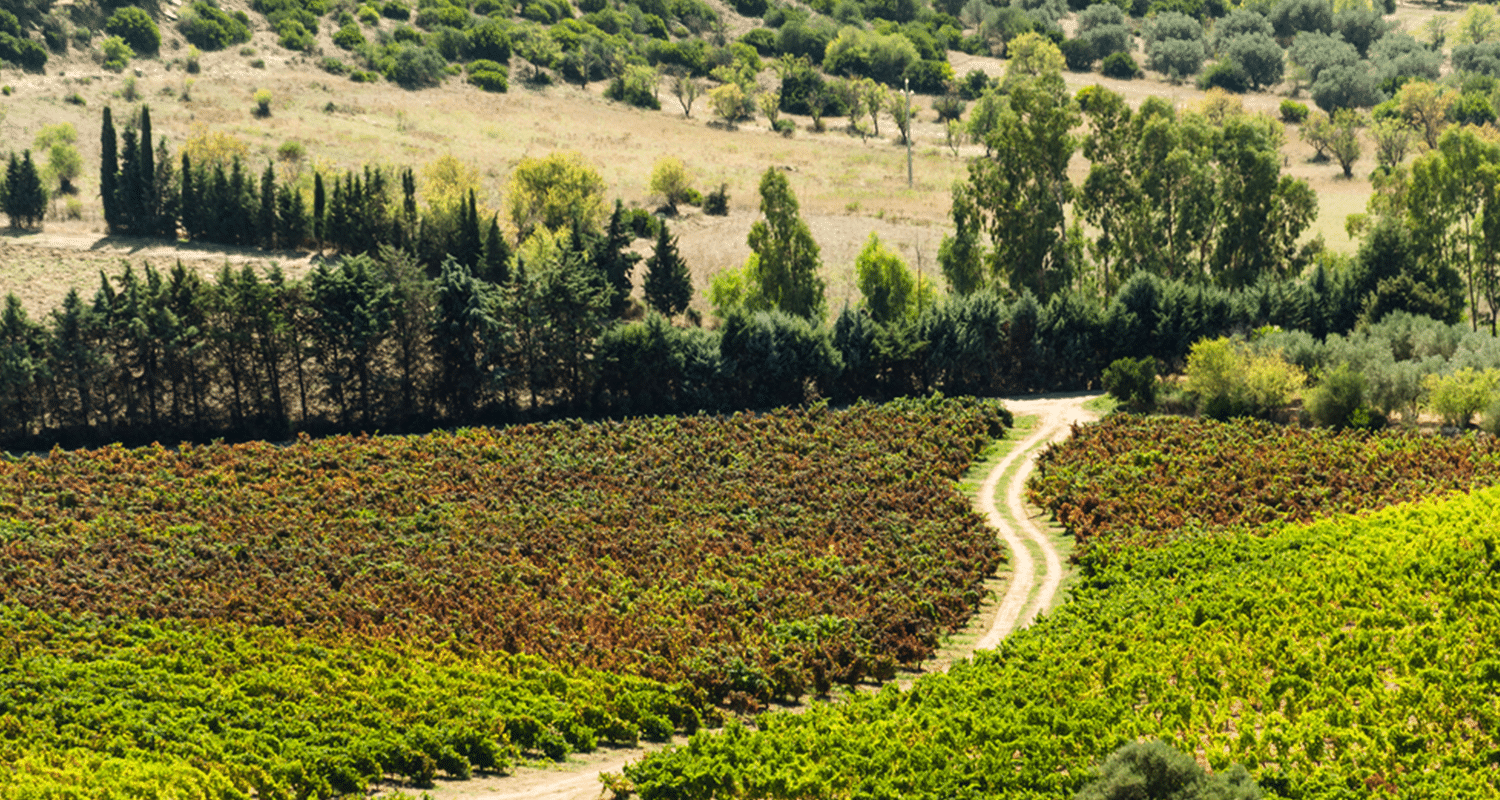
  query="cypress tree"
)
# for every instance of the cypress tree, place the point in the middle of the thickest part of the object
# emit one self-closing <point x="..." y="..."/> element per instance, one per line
<point x="189" y="198"/>
<point x="128" y="189"/>
<point x="496" y="255"/>
<point x="669" y="287"/>
<point x="148" y="200"/>
<point x="470" y="239"/>
<point x="319" y="206"/>
<point x="265" y="221"/>
<point x="109" y="172"/>
<point x="291" y="217"/>
<point x="164" y="193"/>
<point x="25" y="199"/>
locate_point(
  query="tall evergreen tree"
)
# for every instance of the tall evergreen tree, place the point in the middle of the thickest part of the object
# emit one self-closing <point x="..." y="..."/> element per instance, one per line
<point x="109" y="172"/>
<point x="669" y="287"/>
<point x="188" y="195"/>
<point x="23" y="364"/>
<point x="128" y="190"/>
<point x="148" y="199"/>
<point x="496" y="267"/>
<point x="320" y="203"/>
<point x="265" y="221"/>
<point x="461" y="326"/>
<point x="615" y="260"/>
<point x="291" y="217"/>
<point x="24" y="198"/>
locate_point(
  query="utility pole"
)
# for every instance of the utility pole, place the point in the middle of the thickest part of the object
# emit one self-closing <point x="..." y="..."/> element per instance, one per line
<point x="909" y="121"/>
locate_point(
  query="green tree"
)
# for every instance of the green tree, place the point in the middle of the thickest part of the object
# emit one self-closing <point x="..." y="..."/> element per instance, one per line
<point x="554" y="191"/>
<point x="1450" y="198"/>
<point x="23" y="369"/>
<point x="891" y="293"/>
<point x="785" y="258"/>
<point x="24" y="198"/>
<point x="1344" y="143"/>
<point x="668" y="285"/>
<point x="64" y="164"/>
<point x="353" y="315"/>
<point x="670" y="181"/>
<point x="109" y="171"/>
<point x="463" y="323"/>
<point x="1021" y="187"/>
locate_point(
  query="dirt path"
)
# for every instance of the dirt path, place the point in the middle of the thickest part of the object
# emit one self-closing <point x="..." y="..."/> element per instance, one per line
<point x="1031" y="590"/>
<point x="1024" y="598"/>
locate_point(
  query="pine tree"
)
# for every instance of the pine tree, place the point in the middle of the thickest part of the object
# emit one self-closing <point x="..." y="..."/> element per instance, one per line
<point x="615" y="260"/>
<point x="25" y="199"/>
<point x="319" y="206"/>
<point x="109" y="172"/>
<point x="496" y="255"/>
<point x="668" y="286"/>
<point x="265" y="221"/>
<point x="189" y="198"/>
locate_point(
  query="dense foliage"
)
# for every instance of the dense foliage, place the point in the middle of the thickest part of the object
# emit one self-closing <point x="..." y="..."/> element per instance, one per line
<point x="1131" y="481"/>
<point x="107" y="706"/>
<point x="1349" y="657"/>
<point x="757" y="556"/>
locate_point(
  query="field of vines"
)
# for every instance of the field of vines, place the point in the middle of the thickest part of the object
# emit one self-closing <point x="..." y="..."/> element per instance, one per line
<point x="94" y="707"/>
<point x="1140" y="481"/>
<point x="1352" y="657"/>
<point x="296" y="619"/>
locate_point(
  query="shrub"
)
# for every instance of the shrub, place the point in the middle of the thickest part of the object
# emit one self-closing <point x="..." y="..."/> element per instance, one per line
<point x="1156" y="770"/>
<point x="406" y="34"/>
<point x="417" y="67"/>
<point x="716" y="202"/>
<point x="670" y="181"/>
<point x="443" y="16"/>
<point x="395" y="9"/>
<point x="636" y="87"/>
<point x="262" y="102"/>
<point x="1120" y="65"/>
<point x="490" y="80"/>
<point x="116" y="52"/>
<point x="1338" y="401"/>
<point x="1293" y="112"/>
<point x="210" y="28"/>
<point x="75" y="98"/>
<point x="333" y="66"/>
<point x="1457" y="397"/>
<point x="136" y="28"/>
<point x="1227" y="76"/>
<point x="22" y="52"/>
<point x="1078" y="54"/>
<point x="1132" y="382"/>
<point x="293" y="35"/>
<point x="349" y="37"/>
<point x="1231" y="380"/>
<point x="762" y="39"/>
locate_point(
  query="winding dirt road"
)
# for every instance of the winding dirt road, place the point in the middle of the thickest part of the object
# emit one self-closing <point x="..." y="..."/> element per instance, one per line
<point x="1029" y="592"/>
<point x="1024" y="598"/>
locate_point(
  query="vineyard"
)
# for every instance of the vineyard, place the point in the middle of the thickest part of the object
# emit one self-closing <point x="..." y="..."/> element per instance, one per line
<point x="1141" y="481"/>
<point x="1352" y="657"/>
<point x="297" y="619"/>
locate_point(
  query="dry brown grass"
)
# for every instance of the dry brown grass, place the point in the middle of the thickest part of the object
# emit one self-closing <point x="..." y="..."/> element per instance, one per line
<point x="848" y="187"/>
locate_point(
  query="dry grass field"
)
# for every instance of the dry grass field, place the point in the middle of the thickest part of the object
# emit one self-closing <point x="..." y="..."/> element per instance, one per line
<point x="848" y="187"/>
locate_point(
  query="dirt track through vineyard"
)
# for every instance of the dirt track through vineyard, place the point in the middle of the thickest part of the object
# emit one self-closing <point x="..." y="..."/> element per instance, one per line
<point x="1029" y="592"/>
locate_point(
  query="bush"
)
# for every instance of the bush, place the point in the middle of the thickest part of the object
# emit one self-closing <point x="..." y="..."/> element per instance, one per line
<point x="417" y="67"/>
<point x="716" y="202"/>
<point x="636" y="87"/>
<point x="262" y="102"/>
<point x="333" y="66"/>
<point x="1459" y="396"/>
<point x="116" y="52"/>
<point x="1149" y="770"/>
<point x="136" y="28"/>
<point x="397" y="10"/>
<point x="208" y="27"/>
<point x="1338" y="401"/>
<point x="490" y="80"/>
<point x="1227" y="76"/>
<point x="762" y="39"/>
<point x="24" y="53"/>
<point x="1231" y="380"/>
<point x="1078" y="54"/>
<point x="293" y="35"/>
<point x="929" y="77"/>
<point x="1132" y="382"/>
<point x="349" y="37"/>
<point x="1292" y="112"/>
<point x="1120" y="65"/>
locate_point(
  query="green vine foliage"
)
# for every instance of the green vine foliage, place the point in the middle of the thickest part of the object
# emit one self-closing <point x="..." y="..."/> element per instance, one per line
<point x="1352" y="657"/>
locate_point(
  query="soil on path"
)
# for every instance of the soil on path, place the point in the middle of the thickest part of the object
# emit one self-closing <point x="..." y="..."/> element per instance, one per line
<point x="1030" y="592"/>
